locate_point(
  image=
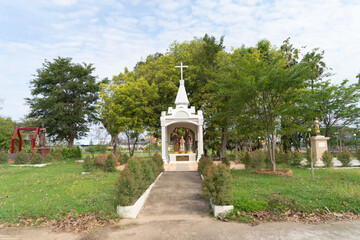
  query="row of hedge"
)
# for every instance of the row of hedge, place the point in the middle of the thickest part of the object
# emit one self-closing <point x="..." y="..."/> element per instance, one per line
<point x="136" y="177"/>
<point x="104" y="162"/>
<point x="217" y="183"/>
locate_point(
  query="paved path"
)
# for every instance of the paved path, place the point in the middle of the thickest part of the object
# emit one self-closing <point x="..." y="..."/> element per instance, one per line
<point x="176" y="193"/>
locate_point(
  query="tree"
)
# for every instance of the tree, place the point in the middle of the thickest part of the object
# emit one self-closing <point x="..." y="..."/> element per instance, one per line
<point x="127" y="104"/>
<point x="7" y="128"/>
<point x="64" y="98"/>
<point x="337" y="105"/>
<point x="265" y="83"/>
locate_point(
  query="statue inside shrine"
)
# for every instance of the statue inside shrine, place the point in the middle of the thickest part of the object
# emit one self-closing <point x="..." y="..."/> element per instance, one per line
<point x="188" y="141"/>
<point x="182" y="145"/>
<point x="176" y="140"/>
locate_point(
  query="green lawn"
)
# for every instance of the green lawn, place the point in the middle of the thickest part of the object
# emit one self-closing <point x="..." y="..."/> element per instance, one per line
<point x="338" y="190"/>
<point x="54" y="191"/>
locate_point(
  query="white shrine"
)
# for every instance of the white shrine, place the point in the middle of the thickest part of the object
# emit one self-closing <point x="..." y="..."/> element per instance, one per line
<point x="182" y="116"/>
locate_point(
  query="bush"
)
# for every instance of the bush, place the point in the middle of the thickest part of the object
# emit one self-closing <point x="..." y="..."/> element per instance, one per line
<point x="135" y="167"/>
<point x="21" y="158"/>
<point x="123" y="158"/>
<point x="149" y="170"/>
<point x="57" y="156"/>
<point x="36" y="159"/>
<point x="88" y="164"/>
<point x="48" y="159"/>
<point x="217" y="185"/>
<point x="283" y="157"/>
<point x="357" y="154"/>
<point x="4" y="158"/>
<point x="225" y="160"/>
<point x="157" y="159"/>
<point x="257" y="159"/>
<point x="71" y="153"/>
<point x="127" y="188"/>
<point x="100" y="161"/>
<point x="109" y="165"/>
<point x="296" y="159"/>
<point x="327" y="159"/>
<point x="308" y="157"/>
<point x="246" y="160"/>
<point x="204" y="164"/>
<point x="345" y="158"/>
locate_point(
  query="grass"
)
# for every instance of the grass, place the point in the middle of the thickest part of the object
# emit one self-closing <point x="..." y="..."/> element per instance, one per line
<point x="338" y="190"/>
<point x="55" y="191"/>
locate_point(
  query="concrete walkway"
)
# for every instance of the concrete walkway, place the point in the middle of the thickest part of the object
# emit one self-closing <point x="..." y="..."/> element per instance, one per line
<point x="175" y="194"/>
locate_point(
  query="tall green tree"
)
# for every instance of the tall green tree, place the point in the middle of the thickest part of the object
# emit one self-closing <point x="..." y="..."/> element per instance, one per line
<point x="7" y="128"/>
<point x="263" y="81"/>
<point x="64" y="98"/>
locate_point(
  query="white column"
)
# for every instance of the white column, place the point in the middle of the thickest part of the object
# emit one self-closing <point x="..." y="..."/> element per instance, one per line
<point x="164" y="144"/>
<point x="200" y="142"/>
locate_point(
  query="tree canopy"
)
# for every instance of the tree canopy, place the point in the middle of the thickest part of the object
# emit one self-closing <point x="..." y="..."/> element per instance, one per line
<point x="64" y="98"/>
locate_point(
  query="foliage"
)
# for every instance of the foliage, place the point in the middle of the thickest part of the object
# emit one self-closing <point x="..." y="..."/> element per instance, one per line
<point x="217" y="185"/>
<point x="127" y="188"/>
<point x="283" y="157"/>
<point x="149" y="171"/>
<point x="156" y="158"/>
<point x="226" y="160"/>
<point x="64" y="98"/>
<point x="246" y="159"/>
<point x="7" y="128"/>
<point x="72" y="153"/>
<point x="54" y="192"/>
<point x="4" y="158"/>
<point x="109" y="165"/>
<point x="136" y="167"/>
<point x="88" y="164"/>
<point x="258" y="158"/>
<point x="123" y="158"/>
<point x="339" y="190"/>
<point x="21" y="158"/>
<point x="36" y="159"/>
<point x="48" y="159"/>
<point x="308" y="157"/>
<point x="204" y="164"/>
<point x="327" y="159"/>
<point x="345" y="158"/>
<point x="57" y="156"/>
<point x="296" y="159"/>
<point x="357" y="154"/>
<point x="100" y="161"/>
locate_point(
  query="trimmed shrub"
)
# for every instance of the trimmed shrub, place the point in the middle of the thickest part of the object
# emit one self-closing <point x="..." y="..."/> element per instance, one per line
<point x="4" y="158"/>
<point x="246" y="160"/>
<point x="21" y="158"/>
<point x="345" y="158"/>
<point x="257" y="159"/>
<point x="109" y="165"/>
<point x="135" y="167"/>
<point x="123" y="158"/>
<point x="327" y="159"/>
<point x="296" y="159"/>
<point x="57" y="156"/>
<point x="71" y="153"/>
<point x="88" y="164"/>
<point x="36" y="159"/>
<point x="127" y="188"/>
<point x="217" y="185"/>
<point x="225" y="160"/>
<point x="48" y="159"/>
<point x="100" y="160"/>
<point x="283" y="157"/>
<point x="357" y="154"/>
<point x="149" y="170"/>
<point x="204" y="164"/>
<point x="157" y="159"/>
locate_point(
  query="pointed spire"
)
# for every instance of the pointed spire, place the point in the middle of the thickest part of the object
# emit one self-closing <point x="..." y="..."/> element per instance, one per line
<point x="181" y="98"/>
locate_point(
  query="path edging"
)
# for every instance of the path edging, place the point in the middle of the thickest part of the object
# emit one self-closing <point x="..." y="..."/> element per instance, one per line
<point x="133" y="211"/>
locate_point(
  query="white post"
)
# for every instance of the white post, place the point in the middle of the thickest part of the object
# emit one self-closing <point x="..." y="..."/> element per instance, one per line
<point x="164" y="144"/>
<point x="200" y="142"/>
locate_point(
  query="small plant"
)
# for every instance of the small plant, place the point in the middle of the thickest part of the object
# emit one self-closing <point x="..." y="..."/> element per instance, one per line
<point x="204" y="164"/>
<point x="327" y="159"/>
<point x="57" y="156"/>
<point x="308" y="157"/>
<point x="246" y="160"/>
<point x="71" y="153"/>
<point x="48" y="159"/>
<point x="127" y="188"/>
<point x="296" y="159"/>
<point x="88" y="164"/>
<point x="109" y="165"/>
<point x="156" y="158"/>
<point x="4" y="158"/>
<point x="345" y="158"/>
<point x="100" y="160"/>
<point x="135" y="167"/>
<point x="36" y="159"/>
<point x="217" y="185"/>
<point x="123" y="158"/>
<point x="357" y="154"/>
<point x="149" y="170"/>
<point x="21" y="158"/>
<point x="257" y="159"/>
<point x="225" y="160"/>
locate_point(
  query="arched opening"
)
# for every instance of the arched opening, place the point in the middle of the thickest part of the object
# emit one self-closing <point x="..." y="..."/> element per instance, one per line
<point x="182" y="140"/>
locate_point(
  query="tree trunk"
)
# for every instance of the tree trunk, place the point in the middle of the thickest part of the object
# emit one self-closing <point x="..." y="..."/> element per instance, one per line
<point x="71" y="141"/>
<point x="128" y="143"/>
<point x="223" y="143"/>
<point x="133" y="148"/>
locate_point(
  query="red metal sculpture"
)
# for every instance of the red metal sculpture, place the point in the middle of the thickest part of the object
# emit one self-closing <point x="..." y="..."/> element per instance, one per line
<point x="17" y="132"/>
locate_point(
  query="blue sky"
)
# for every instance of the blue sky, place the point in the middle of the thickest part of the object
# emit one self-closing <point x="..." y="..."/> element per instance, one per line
<point x="117" y="34"/>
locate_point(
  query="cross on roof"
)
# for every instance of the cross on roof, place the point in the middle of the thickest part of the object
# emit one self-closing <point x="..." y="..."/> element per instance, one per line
<point x="181" y="66"/>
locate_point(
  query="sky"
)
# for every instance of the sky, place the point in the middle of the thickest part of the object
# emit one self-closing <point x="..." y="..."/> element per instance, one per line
<point x="115" y="34"/>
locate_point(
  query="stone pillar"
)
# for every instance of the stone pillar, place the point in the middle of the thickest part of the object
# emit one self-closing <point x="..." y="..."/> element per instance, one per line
<point x="319" y="144"/>
<point x="200" y="142"/>
<point x="164" y="150"/>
